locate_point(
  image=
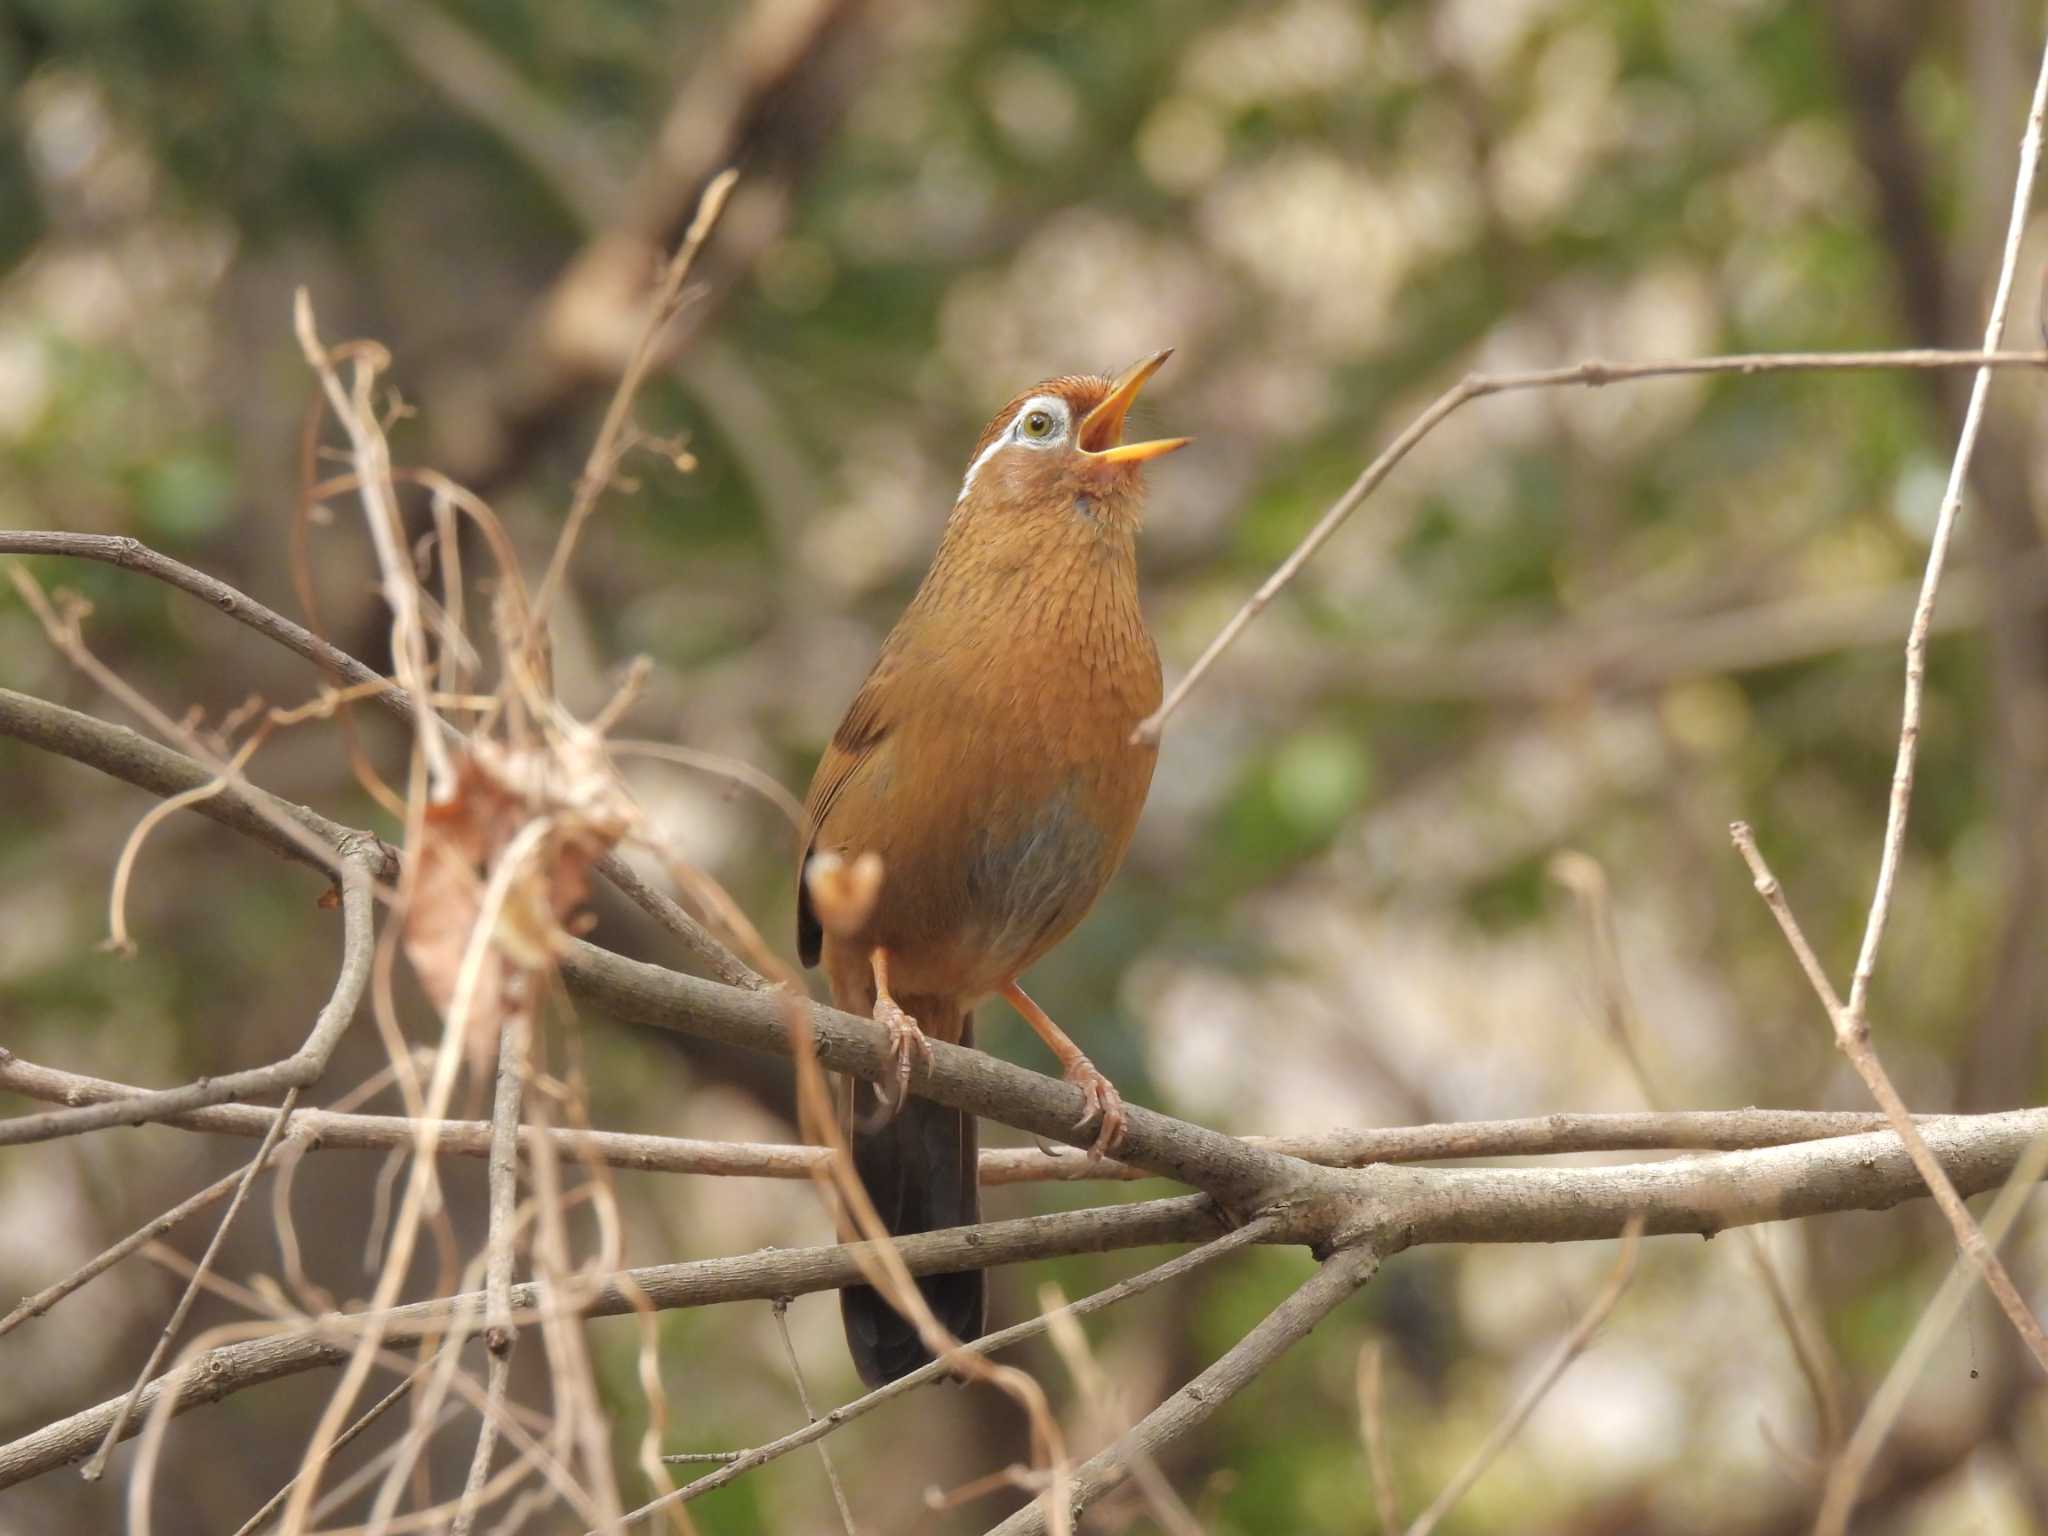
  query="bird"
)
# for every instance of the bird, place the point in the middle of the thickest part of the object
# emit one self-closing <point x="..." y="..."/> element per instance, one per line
<point x="991" y="764"/>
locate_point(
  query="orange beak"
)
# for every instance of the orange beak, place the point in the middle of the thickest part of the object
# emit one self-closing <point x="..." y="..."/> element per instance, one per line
<point x="1101" y="427"/>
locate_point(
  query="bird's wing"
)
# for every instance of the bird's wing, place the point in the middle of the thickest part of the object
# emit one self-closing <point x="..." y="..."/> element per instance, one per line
<point x="866" y="725"/>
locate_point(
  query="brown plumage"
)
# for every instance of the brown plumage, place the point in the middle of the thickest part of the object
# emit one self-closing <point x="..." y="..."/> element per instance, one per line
<point x="988" y="762"/>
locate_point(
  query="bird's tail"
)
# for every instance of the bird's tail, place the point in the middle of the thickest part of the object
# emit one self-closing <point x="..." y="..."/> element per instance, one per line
<point x="920" y="1171"/>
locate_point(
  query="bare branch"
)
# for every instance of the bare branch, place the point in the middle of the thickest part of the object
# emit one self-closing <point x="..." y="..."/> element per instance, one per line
<point x="1287" y="1325"/>
<point x="1706" y="1130"/>
<point x="1568" y="1349"/>
<point x="740" y="1462"/>
<point x="1846" y="1476"/>
<point x="1592" y="375"/>
<point x="302" y="1068"/>
<point x="1852" y="1034"/>
<point x="175" y="1324"/>
<point x="612" y="441"/>
<point x="133" y="555"/>
<point x="763" y="1276"/>
<point x="499" y="1333"/>
<point x="92" y="1269"/>
<point x="803" y="1397"/>
<point x="1937" y="557"/>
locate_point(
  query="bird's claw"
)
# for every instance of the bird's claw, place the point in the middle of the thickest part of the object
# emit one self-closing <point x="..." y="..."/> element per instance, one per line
<point x="1099" y="1100"/>
<point x="906" y="1040"/>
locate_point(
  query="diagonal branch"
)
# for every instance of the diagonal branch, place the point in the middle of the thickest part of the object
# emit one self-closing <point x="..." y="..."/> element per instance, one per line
<point x="1853" y="1036"/>
<point x="1568" y="1349"/>
<point x="1589" y="375"/>
<point x="133" y="555"/>
<point x="1286" y="1325"/>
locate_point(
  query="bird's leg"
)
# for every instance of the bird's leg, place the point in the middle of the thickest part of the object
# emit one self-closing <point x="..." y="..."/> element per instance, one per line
<point x="905" y="1038"/>
<point x="1099" y="1094"/>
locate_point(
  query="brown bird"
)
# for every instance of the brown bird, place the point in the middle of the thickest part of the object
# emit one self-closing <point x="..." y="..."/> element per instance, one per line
<point x="988" y="762"/>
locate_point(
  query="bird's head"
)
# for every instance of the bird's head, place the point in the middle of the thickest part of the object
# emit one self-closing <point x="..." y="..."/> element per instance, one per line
<point x="1057" y="450"/>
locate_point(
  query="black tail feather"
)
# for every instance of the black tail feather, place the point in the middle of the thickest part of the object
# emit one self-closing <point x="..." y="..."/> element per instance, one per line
<point x="920" y="1169"/>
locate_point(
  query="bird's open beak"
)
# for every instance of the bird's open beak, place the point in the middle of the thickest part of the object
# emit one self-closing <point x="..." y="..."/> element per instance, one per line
<point x="1101" y="427"/>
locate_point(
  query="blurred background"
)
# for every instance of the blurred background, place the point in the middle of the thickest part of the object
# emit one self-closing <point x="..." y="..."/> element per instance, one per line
<point x="1605" y="622"/>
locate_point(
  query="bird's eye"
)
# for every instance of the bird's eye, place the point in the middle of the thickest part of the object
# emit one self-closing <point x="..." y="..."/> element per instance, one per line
<point x="1038" y="424"/>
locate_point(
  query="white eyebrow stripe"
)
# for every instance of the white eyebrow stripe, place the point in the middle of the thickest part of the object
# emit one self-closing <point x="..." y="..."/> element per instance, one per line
<point x="1052" y="403"/>
<point x="1001" y="440"/>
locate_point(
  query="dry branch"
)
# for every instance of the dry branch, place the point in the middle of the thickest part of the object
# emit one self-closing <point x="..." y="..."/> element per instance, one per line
<point x="1590" y="375"/>
<point x="1706" y="1130"/>
<point x="1280" y="1330"/>
<point x="133" y="555"/>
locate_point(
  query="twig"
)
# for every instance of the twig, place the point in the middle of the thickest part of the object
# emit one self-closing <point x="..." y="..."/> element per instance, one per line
<point x="302" y="1068"/>
<point x="1589" y="374"/>
<point x="610" y="444"/>
<point x="1923" y="613"/>
<point x="1846" y="1476"/>
<point x="50" y="1295"/>
<point x="780" y="1307"/>
<point x="1286" y="1325"/>
<point x="1111" y="1421"/>
<point x="371" y="1415"/>
<point x="734" y="770"/>
<point x="1568" y="1349"/>
<point x="1587" y="879"/>
<point x="1852" y="1034"/>
<point x="1372" y="1431"/>
<point x="499" y="1334"/>
<point x="133" y="555"/>
<point x="97" y="1463"/>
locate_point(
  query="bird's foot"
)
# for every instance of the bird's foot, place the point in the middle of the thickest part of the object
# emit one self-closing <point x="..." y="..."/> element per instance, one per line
<point x="906" y="1040"/>
<point x="1099" y="1099"/>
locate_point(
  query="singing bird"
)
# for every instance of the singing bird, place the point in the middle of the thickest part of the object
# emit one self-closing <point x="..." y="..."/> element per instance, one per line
<point x="989" y="762"/>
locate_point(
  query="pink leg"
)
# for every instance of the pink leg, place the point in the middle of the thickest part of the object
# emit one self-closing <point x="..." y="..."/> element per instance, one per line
<point x="1099" y="1093"/>
<point x="905" y="1038"/>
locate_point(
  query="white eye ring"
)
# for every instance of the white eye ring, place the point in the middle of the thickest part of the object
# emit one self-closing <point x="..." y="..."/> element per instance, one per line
<point x="1041" y="422"/>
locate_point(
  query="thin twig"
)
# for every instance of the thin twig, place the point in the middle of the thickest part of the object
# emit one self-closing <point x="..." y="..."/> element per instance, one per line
<point x="1568" y="1349"/>
<point x="611" y="444"/>
<point x="97" y="1463"/>
<point x="1111" y="1422"/>
<point x="133" y="555"/>
<point x="1937" y="557"/>
<point x="1853" y="1036"/>
<point x="780" y="1306"/>
<point x="1587" y="879"/>
<point x="371" y="1415"/>
<point x="1846" y="1476"/>
<point x="499" y="1334"/>
<point x="1372" y="1431"/>
<point x="1338" y="1279"/>
<point x="1589" y="374"/>
<point x="738" y="1463"/>
<point x="50" y="1295"/>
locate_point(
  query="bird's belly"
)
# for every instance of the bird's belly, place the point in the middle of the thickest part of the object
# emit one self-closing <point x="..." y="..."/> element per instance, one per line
<point x="1030" y="877"/>
<point x="1004" y="884"/>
